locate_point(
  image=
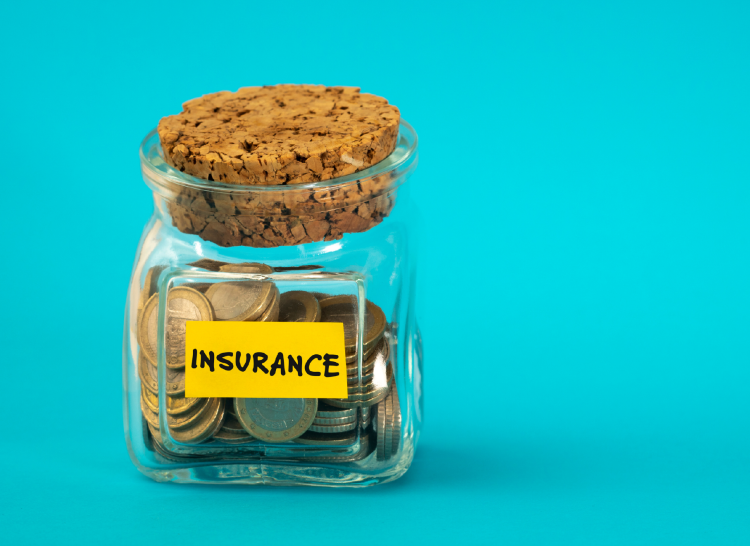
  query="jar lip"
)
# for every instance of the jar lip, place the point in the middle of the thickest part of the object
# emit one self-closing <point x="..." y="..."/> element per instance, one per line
<point x="159" y="173"/>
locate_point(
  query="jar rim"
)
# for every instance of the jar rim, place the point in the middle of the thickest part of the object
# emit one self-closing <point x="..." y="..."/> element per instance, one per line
<point x="159" y="174"/>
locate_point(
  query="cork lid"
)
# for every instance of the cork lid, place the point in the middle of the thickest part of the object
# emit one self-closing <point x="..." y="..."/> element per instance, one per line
<point x="280" y="135"/>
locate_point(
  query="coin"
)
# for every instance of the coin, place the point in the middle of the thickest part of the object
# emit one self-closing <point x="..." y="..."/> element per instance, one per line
<point x="231" y="424"/>
<point x="271" y="314"/>
<point x="246" y="267"/>
<point x="366" y="447"/>
<point x="147" y="373"/>
<point x="387" y="447"/>
<point x="276" y="419"/>
<point x="164" y="452"/>
<point x="344" y="309"/>
<point x="299" y="306"/>
<point x="151" y="399"/>
<point x="227" y="437"/>
<point x="201" y="287"/>
<point x="183" y="304"/>
<point x="207" y="263"/>
<point x="240" y="300"/>
<point x="205" y="426"/>
<point x="353" y="379"/>
<point x="333" y="429"/>
<point x="381" y="381"/>
<point x="175" y="382"/>
<point x="378" y="353"/>
<point x="351" y="360"/>
<point x="396" y="420"/>
<point x="147" y="328"/>
<point x="320" y="439"/>
<point x="330" y="412"/>
<point x="189" y="418"/>
<point x="381" y="431"/>
<point x="151" y="417"/>
<point x="334" y="420"/>
<point x="147" y="440"/>
<point x="177" y="405"/>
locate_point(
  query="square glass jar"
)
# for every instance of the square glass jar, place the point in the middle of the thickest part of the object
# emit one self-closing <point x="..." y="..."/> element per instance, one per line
<point x="335" y="251"/>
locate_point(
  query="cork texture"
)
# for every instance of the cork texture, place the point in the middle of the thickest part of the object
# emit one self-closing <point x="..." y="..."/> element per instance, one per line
<point x="283" y="134"/>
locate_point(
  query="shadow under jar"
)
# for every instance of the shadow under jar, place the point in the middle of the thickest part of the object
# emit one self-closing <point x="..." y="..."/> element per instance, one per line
<point x="333" y="251"/>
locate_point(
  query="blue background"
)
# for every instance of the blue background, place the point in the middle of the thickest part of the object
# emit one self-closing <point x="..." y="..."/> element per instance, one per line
<point x="583" y="185"/>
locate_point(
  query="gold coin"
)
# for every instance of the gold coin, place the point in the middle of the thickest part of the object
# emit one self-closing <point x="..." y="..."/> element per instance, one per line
<point x="227" y="437"/>
<point x="299" y="306"/>
<point x="351" y="359"/>
<point x="151" y="416"/>
<point x="183" y="304"/>
<point x="247" y="267"/>
<point x="177" y="405"/>
<point x="231" y="424"/>
<point x="382" y="385"/>
<point x="189" y="418"/>
<point x="147" y="373"/>
<point x="344" y="309"/>
<point x="240" y="300"/>
<point x="207" y="263"/>
<point x="271" y="314"/>
<point x="205" y="426"/>
<point x="147" y="328"/>
<point x="175" y="382"/>
<point x="151" y="399"/>
<point x="275" y="419"/>
<point x="380" y="352"/>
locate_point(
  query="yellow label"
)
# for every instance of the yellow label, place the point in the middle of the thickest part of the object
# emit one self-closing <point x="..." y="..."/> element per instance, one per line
<point x="228" y="359"/>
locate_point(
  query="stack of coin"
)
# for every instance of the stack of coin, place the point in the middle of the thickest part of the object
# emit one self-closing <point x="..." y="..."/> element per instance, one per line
<point x="332" y="420"/>
<point x="191" y="420"/>
<point x="388" y="426"/>
<point x="244" y="300"/>
<point x="329" y="423"/>
<point x="344" y="309"/>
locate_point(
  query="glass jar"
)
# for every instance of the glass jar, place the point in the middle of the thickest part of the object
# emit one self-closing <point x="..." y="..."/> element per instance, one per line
<point x="336" y="251"/>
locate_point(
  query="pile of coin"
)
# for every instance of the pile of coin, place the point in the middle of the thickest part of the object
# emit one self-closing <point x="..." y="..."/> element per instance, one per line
<point x="241" y="421"/>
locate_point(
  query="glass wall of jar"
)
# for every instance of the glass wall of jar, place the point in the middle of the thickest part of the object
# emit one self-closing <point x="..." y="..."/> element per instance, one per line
<point x="334" y="251"/>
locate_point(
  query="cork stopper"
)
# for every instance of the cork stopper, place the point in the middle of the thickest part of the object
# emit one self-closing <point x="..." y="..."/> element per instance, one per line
<point x="283" y="134"/>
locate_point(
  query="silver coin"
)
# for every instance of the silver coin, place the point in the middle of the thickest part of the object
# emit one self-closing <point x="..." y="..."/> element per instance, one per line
<point x="381" y="430"/>
<point x="333" y="429"/>
<point x="320" y="439"/>
<point x="334" y="420"/>
<point x="240" y="300"/>
<point x="396" y="420"/>
<point x="330" y="412"/>
<point x="368" y="399"/>
<point x="388" y="446"/>
<point x="227" y="437"/>
<point x="276" y="419"/>
<point x="366" y="447"/>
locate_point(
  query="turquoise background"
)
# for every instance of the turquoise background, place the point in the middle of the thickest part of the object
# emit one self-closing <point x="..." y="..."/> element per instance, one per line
<point x="583" y="185"/>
